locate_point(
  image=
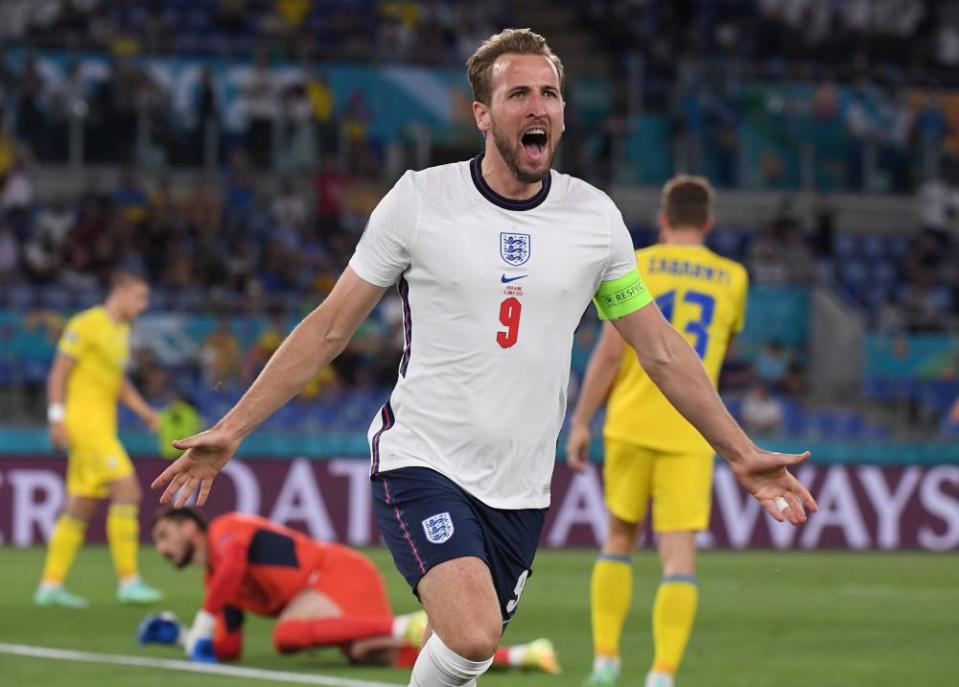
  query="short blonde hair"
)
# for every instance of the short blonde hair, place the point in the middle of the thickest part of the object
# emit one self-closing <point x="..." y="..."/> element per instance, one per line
<point x="507" y="41"/>
<point x="687" y="201"/>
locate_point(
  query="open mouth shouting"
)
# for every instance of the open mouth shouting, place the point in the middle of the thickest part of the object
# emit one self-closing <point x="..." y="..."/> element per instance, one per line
<point x="535" y="143"/>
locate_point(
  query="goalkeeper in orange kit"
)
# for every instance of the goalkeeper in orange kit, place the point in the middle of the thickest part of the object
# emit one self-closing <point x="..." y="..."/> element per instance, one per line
<point x="322" y="594"/>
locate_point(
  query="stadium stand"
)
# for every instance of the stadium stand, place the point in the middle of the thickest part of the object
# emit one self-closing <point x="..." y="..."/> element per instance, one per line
<point x="240" y="187"/>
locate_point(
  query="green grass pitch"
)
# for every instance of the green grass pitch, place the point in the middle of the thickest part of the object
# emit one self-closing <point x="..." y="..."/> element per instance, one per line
<point x="766" y="619"/>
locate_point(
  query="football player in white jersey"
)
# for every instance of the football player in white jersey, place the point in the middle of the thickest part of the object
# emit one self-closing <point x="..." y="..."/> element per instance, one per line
<point x="496" y="259"/>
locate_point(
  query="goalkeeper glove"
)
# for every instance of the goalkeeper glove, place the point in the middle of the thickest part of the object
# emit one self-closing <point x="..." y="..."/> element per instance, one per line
<point x="198" y="640"/>
<point x="159" y="628"/>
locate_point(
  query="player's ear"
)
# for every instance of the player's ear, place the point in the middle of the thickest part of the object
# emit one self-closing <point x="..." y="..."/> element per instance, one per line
<point x="663" y="225"/>
<point x="481" y="116"/>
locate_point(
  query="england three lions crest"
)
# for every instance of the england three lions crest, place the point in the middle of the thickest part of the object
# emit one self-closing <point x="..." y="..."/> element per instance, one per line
<point x="438" y="528"/>
<point x="514" y="248"/>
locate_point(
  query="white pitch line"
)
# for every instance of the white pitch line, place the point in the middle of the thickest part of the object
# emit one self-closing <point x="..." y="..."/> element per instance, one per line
<point x="186" y="666"/>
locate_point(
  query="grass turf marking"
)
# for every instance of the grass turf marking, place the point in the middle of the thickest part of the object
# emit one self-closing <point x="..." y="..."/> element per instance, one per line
<point x="186" y="666"/>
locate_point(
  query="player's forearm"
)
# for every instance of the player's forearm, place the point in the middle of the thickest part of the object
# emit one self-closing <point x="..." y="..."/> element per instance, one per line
<point x="230" y="572"/>
<point x="56" y="390"/>
<point x="132" y="399"/>
<point x="678" y="372"/>
<point x="308" y="349"/>
<point x="600" y="375"/>
<point x="56" y="384"/>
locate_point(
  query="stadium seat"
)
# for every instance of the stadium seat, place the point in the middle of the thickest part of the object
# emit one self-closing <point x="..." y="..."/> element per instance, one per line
<point x="58" y="298"/>
<point x="873" y="246"/>
<point x="846" y="246"/>
<point x="19" y="297"/>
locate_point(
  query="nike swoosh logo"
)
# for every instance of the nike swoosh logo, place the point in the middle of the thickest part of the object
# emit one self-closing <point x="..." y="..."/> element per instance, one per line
<point x="507" y="280"/>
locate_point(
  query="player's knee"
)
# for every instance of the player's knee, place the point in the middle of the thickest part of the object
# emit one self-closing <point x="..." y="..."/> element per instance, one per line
<point x="127" y="491"/>
<point x="621" y="540"/>
<point x="475" y="643"/>
<point x="81" y="507"/>
<point x="288" y="636"/>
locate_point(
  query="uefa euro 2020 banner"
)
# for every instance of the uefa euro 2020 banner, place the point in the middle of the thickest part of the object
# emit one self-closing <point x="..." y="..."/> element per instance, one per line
<point x="861" y="506"/>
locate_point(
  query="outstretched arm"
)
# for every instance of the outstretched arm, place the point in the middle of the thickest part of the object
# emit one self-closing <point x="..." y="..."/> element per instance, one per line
<point x="317" y="340"/>
<point x="600" y="374"/>
<point x="675" y="368"/>
<point x="132" y="399"/>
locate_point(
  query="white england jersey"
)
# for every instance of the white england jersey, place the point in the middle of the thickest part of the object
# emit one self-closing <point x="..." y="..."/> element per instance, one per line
<point x="493" y="290"/>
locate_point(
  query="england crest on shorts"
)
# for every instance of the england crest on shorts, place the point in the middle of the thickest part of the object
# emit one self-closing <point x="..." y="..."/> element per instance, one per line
<point x="514" y="248"/>
<point x="438" y="528"/>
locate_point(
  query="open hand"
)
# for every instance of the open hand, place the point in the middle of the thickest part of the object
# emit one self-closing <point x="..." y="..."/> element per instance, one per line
<point x="206" y="454"/>
<point x="764" y="474"/>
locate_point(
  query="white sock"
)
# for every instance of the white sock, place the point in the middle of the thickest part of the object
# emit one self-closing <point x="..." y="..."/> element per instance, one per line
<point x="516" y="654"/>
<point x="400" y="623"/>
<point x="659" y="680"/>
<point x="50" y="586"/>
<point x="601" y="663"/>
<point x="438" y="666"/>
<point x="129" y="579"/>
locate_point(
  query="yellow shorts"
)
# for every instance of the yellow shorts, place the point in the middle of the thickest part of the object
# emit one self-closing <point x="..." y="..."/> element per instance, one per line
<point x="93" y="464"/>
<point x="679" y="484"/>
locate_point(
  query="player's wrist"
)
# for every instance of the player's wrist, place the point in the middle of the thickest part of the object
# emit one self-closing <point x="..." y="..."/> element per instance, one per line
<point x="56" y="413"/>
<point x="737" y="456"/>
<point x="577" y="422"/>
<point x="234" y="430"/>
<point x="202" y="628"/>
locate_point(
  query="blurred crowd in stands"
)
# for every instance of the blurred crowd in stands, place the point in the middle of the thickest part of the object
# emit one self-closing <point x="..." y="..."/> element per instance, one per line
<point x="844" y="37"/>
<point x="419" y="30"/>
<point x="258" y="251"/>
<point x="748" y="91"/>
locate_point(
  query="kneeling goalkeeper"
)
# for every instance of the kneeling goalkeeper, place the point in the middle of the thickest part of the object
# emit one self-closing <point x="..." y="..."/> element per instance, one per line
<point x="322" y="594"/>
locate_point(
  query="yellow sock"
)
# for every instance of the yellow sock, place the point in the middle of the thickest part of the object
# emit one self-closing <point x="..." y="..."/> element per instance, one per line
<point x="65" y="541"/>
<point x="611" y="593"/>
<point x="673" y="614"/>
<point x="123" y="535"/>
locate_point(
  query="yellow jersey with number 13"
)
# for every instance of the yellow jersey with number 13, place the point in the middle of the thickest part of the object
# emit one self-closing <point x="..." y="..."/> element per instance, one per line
<point x="703" y="295"/>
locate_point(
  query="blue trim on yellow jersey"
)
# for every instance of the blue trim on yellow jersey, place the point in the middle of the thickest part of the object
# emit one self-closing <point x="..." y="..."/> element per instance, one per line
<point x="615" y="558"/>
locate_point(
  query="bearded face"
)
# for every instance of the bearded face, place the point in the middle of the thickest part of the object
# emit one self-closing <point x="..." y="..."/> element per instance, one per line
<point x="525" y="114"/>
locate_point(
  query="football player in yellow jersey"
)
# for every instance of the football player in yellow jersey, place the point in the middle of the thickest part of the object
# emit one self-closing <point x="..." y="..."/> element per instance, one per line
<point x="85" y="383"/>
<point x="651" y="450"/>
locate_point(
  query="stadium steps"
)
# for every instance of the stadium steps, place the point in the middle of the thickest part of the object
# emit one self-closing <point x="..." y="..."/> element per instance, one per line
<point x="567" y="35"/>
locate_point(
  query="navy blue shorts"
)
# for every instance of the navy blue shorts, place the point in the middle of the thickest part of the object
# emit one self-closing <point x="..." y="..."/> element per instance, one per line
<point x="426" y="520"/>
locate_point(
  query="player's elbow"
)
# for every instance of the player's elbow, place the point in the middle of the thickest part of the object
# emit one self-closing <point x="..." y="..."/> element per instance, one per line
<point x="658" y="358"/>
<point x="334" y="340"/>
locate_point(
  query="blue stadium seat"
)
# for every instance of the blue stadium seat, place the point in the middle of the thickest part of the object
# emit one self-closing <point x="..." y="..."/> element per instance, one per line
<point x="19" y="296"/>
<point x="854" y="276"/>
<point x="897" y="246"/>
<point x="846" y="245"/>
<point x="58" y="298"/>
<point x="725" y="242"/>
<point x="850" y="424"/>
<point x="88" y="297"/>
<point x="794" y="419"/>
<point x="873" y="246"/>
<point x="885" y="272"/>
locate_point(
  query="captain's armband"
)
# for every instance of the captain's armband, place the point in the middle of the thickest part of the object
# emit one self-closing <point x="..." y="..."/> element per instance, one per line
<point x="621" y="296"/>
